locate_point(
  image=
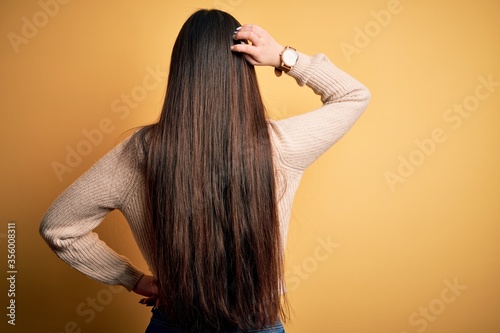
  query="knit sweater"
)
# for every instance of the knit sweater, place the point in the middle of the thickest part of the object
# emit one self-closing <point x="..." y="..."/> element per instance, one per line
<point x="115" y="182"/>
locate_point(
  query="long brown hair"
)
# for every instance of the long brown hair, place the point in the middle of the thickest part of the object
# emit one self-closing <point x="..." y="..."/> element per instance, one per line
<point x="210" y="187"/>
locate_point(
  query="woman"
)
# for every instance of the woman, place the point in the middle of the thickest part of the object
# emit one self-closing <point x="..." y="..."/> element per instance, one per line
<point x="208" y="189"/>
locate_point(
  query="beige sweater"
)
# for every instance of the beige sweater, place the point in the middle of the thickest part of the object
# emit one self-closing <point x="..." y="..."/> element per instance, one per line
<point x="114" y="183"/>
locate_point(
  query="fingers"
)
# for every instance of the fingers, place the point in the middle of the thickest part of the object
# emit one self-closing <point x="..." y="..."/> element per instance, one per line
<point x="253" y="33"/>
<point x="149" y="301"/>
<point x="243" y="48"/>
<point x="263" y="50"/>
<point x="249" y="50"/>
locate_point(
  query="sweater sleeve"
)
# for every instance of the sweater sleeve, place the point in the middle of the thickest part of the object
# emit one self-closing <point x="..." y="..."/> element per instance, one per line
<point x="67" y="225"/>
<point x="302" y="139"/>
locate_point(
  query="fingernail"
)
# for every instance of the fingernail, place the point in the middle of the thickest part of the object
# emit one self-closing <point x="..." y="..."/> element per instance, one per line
<point x="238" y="28"/>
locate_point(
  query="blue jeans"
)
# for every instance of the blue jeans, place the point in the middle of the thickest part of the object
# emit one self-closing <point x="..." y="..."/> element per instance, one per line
<point x="159" y="324"/>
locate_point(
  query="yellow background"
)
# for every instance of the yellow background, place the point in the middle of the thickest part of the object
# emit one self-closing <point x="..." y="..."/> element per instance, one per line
<point x="395" y="246"/>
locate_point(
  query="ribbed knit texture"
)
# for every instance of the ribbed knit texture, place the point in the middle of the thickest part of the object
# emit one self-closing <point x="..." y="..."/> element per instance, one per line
<point x="114" y="182"/>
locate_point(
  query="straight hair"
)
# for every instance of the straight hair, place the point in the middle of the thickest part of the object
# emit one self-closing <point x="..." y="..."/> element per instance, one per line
<point x="210" y="187"/>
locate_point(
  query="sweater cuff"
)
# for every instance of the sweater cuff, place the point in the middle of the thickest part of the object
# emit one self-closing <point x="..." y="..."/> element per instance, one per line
<point x="322" y="76"/>
<point x="130" y="278"/>
<point x="300" y="72"/>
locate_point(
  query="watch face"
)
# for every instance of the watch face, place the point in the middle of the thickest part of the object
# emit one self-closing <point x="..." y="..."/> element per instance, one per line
<point x="290" y="57"/>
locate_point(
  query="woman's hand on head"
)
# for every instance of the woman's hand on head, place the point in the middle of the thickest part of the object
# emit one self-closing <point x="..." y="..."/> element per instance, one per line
<point x="146" y="286"/>
<point x="263" y="50"/>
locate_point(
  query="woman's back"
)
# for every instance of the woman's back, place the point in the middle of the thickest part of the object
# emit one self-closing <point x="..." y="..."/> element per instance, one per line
<point x="208" y="190"/>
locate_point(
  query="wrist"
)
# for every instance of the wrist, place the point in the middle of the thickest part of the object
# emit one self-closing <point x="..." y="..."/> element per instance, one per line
<point x="136" y="286"/>
<point x="276" y="60"/>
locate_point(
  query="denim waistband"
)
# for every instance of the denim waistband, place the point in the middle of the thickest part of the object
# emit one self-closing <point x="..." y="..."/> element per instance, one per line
<point x="160" y="322"/>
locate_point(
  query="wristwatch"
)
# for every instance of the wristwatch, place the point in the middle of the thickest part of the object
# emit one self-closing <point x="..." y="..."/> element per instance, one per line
<point x="289" y="58"/>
